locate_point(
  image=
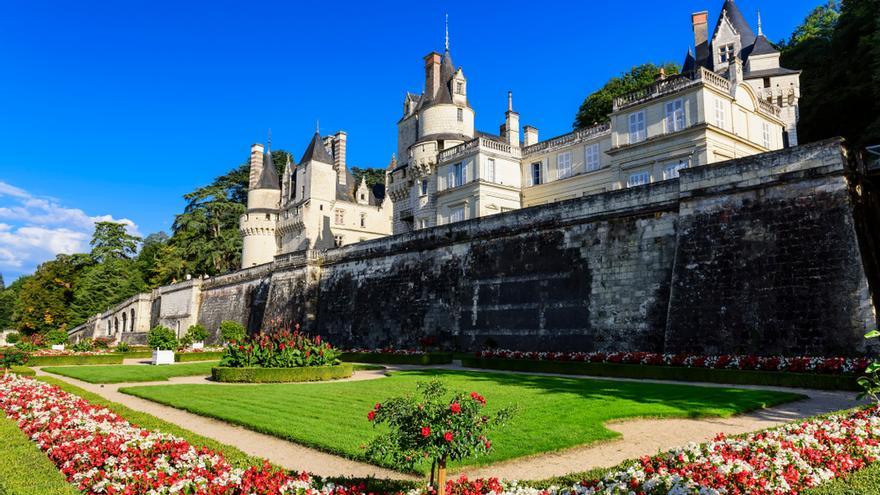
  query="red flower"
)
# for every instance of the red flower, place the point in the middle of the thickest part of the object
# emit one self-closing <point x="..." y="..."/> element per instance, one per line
<point x="426" y="432"/>
<point x="455" y="407"/>
<point x="377" y="406"/>
<point x="371" y="415"/>
<point x="447" y="436"/>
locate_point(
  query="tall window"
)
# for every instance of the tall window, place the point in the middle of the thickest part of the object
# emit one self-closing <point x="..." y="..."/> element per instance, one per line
<point x="671" y="170"/>
<point x="456" y="175"/>
<point x="765" y="134"/>
<point x="423" y="223"/>
<point x="423" y="187"/>
<point x="592" y="158"/>
<point x="460" y="114"/>
<point x="339" y="217"/>
<point x="674" y="116"/>
<point x="637" y="127"/>
<point x="638" y="179"/>
<point x="536" y="173"/>
<point x="719" y="112"/>
<point x="456" y="214"/>
<point x="459" y="87"/>
<point x="725" y="53"/>
<point x="490" y="169"/>
<point x="563" y="165"/>
<point x="363" y="220"/>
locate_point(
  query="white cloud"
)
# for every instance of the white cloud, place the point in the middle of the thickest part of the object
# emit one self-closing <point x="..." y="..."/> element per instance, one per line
<point x="35" y="229"/>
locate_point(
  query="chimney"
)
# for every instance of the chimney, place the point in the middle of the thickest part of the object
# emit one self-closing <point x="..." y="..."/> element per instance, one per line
<point x="339" y="156"/>
<point x="256" y="165"/>
<point x="530" y="135"/>
<point x="735" y="74"/>
<point x="700" y="21"/>
<point x="511" y="123"/>
<point x="432" y="74"/>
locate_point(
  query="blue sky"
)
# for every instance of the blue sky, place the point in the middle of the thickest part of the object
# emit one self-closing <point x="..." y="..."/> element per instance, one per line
<point x="114" y="110"/>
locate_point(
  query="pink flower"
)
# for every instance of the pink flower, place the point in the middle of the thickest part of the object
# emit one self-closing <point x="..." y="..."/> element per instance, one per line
<point x="371" y="415"/>
<point x="426" y="431"/>
<point x="447" y="436"/>
<point x="455" y="407"/>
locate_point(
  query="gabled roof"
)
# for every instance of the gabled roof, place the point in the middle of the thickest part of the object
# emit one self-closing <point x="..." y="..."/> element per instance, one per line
<point x="746" y="35"/>
<point x="316" y="151"/>
<point x="762" y="47"/>
<point x="269" y="175"/>
<point x="690" y="63"/>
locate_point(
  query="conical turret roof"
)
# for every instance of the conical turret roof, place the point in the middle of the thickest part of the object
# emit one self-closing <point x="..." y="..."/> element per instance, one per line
<point x="316" y="151"/>
<point x="269" y="174"/>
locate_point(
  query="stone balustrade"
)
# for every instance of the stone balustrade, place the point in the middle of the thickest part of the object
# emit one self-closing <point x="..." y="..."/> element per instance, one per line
<point x="671" y="85"/>
<point x="567" y="139"/>
<point x="478" y="144"/>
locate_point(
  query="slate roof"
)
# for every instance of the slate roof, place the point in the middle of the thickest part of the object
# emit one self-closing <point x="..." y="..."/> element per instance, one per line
<point x="762" y="47"/>
<point x="690" y="63"/>
<point x="779" y="71"/>
<point x="348" y="191"/>
<point x="316" y="151"/>
<point x="269" y="175"/>
<point x="747" y="36"/>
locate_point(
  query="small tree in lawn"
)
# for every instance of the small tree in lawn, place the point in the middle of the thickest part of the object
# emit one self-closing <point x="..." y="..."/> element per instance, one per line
<point x="436" y="427"/>
<point x="870" y="382"/>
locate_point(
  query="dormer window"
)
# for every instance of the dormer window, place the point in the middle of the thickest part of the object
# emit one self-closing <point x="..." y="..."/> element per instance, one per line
<point x="459" y="88"/>
<point x="725" y="53"/>
<point x="460" y="114"/>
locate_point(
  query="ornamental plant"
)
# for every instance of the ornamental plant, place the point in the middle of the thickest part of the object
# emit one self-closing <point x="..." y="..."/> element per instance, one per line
<point x="13" y="338"/>
<point x="281" y="349"/>
<point x="83" y="346"/>
<point x="232" y="331"/>
<point x="437" y="427"/>
<point x="195" y="333"/>
<point x="123" y="347"/>
<point x="13" y="357"/>
<point x="56" y="337"/>
<point x="162" y="339"/>
<point x="870" y="382"/>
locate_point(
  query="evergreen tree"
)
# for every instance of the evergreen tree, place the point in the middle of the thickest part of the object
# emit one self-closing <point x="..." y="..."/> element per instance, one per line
<point x="43" y="302"/>
<point x="374" y="176"/>
<point x="596" y="107"/>
<point x="111" y="241"/>
<point x="103" y="285"/>
<point x="8" y="298"/>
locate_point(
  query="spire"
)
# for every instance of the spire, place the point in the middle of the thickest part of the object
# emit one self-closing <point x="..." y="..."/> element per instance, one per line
<point x="269" y="174"/>
<point x="510" y="101"/>
<point x="269" y="141"/>
<point x="760" y="31"/>
<point x="316" y="151"/>
<point x="318" y="126"/>
<point x="447" y="32"/>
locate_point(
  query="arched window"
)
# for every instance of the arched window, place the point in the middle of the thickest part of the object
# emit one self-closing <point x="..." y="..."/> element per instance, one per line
<point x="124" y="322"/>
<point x="131" y="327"/>
<point x="115" y="325"/>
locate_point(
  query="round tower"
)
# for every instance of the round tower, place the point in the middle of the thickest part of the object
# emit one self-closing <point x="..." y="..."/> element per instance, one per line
<point x="259" y="242"/>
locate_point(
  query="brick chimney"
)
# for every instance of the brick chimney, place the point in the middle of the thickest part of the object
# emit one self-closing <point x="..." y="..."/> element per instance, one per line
<point x="432" y="74"/>
<point x="510" y="128"/>
<point x="255" y="165"/>
<point x="700" y="21"/>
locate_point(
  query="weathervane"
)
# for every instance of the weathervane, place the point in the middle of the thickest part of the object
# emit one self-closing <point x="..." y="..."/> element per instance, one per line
<point x="447" y="32"/>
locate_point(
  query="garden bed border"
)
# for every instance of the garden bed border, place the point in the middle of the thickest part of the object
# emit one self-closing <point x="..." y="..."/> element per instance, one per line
<point x="281" y="375"/>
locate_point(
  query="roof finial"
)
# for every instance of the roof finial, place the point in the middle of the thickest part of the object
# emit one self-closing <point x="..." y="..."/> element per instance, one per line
<point x="760" y="31"/>
<point x="269" y="143"/>
<point x="317" y="126"/>
<point x="447" y="32"/>
<point x="510" y="101"/>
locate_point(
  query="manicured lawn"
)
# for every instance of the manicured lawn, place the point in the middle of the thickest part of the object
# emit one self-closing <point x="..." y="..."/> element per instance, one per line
<point x="132" y="373"/>
<point x="553" y="412"/>
<point x="24" y="469"/>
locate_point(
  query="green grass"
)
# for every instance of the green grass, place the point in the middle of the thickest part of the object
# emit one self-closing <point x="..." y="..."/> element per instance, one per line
<point x="132" y="373"/>
<point x="553" y="412"/>
<point x="233" y="455"/>
<point x="24" y="469"/>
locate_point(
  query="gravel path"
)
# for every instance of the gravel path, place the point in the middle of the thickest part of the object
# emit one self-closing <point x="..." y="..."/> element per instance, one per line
<point x="638" y="436"/>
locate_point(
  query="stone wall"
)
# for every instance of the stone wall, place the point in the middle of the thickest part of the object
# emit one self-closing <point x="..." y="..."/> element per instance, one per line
<point x="758" y="255"/>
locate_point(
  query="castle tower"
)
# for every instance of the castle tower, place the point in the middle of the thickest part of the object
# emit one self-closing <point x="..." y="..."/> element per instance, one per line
<point x="259" y="243"/>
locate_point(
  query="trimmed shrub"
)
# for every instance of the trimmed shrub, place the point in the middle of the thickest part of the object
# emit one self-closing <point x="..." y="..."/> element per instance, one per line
<point x="123" y="347"/>
<point x="56" y="337"/>
<point x="232" y="331"/>
<point x="75" y="360"/>
<point x="162" y="338"/>
<point x="188" y="357"/>
<point x="195" y="333"/>
<point x="390" y="358"/>
<point x="13" y="338"/>
<point x="281" y="375"/>
<point x="13" y="357"/>
<point x="22" y="370"/>
<point x="83" y="346"/>
<point x="733" y="377"/>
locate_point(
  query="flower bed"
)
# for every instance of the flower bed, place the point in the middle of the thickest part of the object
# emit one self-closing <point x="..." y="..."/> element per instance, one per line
<point x="281" y="375"/>
<point x="99" y="452"/>
<point x="396" y="356"/>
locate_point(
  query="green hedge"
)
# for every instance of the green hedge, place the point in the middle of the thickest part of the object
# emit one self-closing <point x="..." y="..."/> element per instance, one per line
<point x="22" y="370"/>
<point x="136" y="354"/>
<point x="24" y="469"/>
<point x="733" y="377"/>
<point x="388" y="358"/>
<point x="188" y="357"/>
<point x="75" y="360"/>
<point x="281" y="375"/>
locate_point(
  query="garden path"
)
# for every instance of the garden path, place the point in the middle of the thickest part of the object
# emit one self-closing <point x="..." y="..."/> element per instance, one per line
<point x="638" y="436"/>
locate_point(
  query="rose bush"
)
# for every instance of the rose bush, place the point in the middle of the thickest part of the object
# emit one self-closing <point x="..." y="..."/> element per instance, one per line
<point x="279" y="349"/>
<point x="802" y="364"/>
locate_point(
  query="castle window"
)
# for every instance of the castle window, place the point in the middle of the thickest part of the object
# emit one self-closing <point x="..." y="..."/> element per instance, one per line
<point x="363" y="220"/>
<point x="460" y="114"/>
<point x="459" y="87"/>
<point x="363" y="197"/>
<point x="765" y="133"/>
<point x="423" y="187"/>
<point x="337" y="240"/>
<point x="725" y="53"/>
<point x="637" y="127"/>
<point x="766" y="82"/>
<point x="592" y="157"/>
<point x="536" y="173"/>
<point x="340" y="217"/>
<point x="490" y="170"/>
<point x="674" y="116"/>
<point x="563" y="165"/>
<point x="423" y="223"/>
<point x="720" y="116"/>
<point x="456" y="214"/>
<point x="456" y="175"/>
<point x="638" y="179"/>
<point x="671" y="170"/>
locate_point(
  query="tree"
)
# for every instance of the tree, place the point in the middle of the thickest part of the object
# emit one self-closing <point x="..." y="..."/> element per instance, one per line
<point x="374" y="176"/>
<point x="111" y="241"/>
<point x="103" y="285"/>
<point x="8" y="298"/>
<point x="819" y="24"/>
<point x="148" y="257"/>
<point x="597" y="106"/>
<point x="43" y="302"/>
